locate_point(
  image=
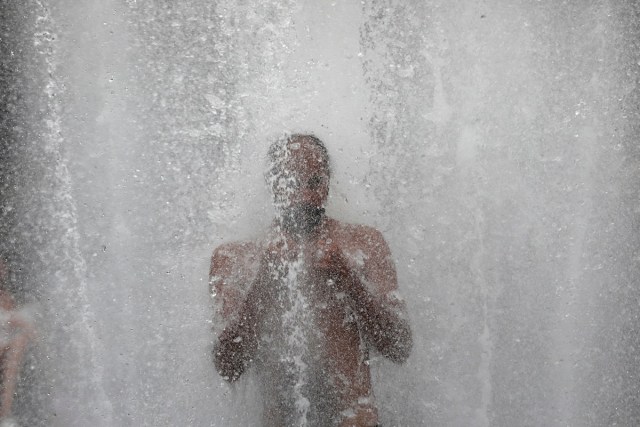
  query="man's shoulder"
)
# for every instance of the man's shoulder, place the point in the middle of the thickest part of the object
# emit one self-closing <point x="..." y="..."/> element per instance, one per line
<point x="235" y="253"/>
<point x="235" y="248"/>
<point x="357" y="234"/>
<point x="234" y="263"/>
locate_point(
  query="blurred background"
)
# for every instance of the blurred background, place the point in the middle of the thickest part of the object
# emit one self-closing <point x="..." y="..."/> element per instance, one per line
<point x="494" y="144"/>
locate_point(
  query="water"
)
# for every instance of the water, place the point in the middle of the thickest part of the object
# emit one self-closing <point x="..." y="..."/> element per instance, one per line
<point x="494" y="146"/>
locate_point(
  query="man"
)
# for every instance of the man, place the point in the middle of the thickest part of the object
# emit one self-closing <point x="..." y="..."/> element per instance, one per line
<point x="16" y="330"/>
<point x="306" y="304"/>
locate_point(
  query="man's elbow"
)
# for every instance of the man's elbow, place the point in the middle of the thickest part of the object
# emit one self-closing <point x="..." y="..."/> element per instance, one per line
<point x="399" y="349"/>
<point x="227" y="364"/>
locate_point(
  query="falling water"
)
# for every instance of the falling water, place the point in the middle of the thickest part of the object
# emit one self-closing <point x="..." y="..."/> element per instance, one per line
<point x="68" y="289"/>
<point x="494" y="144"/>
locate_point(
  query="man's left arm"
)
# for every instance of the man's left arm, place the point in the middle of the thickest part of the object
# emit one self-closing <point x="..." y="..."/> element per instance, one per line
<point x="372" y="284"/>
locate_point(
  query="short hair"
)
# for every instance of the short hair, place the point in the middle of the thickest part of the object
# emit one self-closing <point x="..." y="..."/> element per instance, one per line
<point x="277" y="153"/>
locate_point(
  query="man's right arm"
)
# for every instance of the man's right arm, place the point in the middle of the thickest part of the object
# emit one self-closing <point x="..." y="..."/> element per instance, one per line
<point x="239" y="313"/>
<point x="238" y="341"/>
<point x="231" y="266"/>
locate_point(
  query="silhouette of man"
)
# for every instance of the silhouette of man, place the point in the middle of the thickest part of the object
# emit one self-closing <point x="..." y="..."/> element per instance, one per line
<point x="16" y="330"/>
<point x="306" y="304"/>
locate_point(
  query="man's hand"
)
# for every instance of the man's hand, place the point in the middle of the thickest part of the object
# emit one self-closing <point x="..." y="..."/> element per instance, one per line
<point x="386" y="330"/>
<point x="330" y="264"/>
<point x="274" y="264"/>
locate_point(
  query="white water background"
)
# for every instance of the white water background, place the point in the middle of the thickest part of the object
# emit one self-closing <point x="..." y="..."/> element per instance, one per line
<point x="493" y="143"/>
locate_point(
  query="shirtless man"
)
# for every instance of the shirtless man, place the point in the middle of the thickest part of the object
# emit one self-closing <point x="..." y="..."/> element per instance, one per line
<point x="16" y="330"/>
<point x="306" y="304"/>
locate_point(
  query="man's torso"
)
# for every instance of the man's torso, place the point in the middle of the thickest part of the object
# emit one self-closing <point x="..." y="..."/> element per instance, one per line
<point x="312" y="358"/>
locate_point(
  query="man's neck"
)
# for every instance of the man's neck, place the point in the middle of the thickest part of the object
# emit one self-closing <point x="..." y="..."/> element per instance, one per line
<point x="302" y="228"/>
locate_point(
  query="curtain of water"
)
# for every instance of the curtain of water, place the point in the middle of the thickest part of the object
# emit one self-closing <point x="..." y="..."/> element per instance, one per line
<point x="493" y="144"/>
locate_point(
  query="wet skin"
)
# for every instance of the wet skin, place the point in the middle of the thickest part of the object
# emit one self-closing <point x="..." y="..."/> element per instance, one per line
<point x="12" y="351"/>
<point x="351" y="284"/>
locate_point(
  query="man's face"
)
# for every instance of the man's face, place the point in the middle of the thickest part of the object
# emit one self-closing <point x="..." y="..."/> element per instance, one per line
<point x="302" y="188"/>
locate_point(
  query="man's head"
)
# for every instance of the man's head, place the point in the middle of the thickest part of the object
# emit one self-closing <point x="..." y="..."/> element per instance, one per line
<point x="299" y="177"/>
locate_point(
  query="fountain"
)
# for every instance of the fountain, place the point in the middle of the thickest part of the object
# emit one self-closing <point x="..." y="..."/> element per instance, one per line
<point x="493" y="144"/>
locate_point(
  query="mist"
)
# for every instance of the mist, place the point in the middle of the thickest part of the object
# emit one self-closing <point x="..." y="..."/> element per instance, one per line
<point x="494" y="144"/>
